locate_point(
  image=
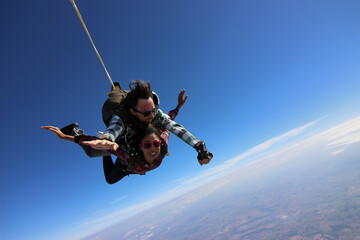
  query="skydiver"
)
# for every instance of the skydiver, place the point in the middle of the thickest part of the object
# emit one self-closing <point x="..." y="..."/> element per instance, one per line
<point x="152" y="145"/>
<point x="140" y="108"/>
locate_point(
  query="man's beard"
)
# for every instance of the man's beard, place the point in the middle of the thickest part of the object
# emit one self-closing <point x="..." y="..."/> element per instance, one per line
<point x="145" y="124"/>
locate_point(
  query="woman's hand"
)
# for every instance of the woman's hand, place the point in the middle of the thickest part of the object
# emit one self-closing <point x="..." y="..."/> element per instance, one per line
<point x="59" y="134"/>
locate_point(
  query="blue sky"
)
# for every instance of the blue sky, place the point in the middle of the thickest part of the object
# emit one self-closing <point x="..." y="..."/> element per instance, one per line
<point x="253" y="70"/>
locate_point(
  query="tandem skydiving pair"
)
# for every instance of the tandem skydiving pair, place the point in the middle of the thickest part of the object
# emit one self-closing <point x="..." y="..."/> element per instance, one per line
<point x="137" y="132"/>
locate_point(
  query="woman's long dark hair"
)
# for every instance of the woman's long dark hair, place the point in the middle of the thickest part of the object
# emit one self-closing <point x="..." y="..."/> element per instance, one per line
<point x="152" y="130"/>
<point x="149" y="130"/>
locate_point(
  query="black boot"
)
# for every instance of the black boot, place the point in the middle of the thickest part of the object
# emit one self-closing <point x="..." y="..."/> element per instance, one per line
<point x="68" y="130"/>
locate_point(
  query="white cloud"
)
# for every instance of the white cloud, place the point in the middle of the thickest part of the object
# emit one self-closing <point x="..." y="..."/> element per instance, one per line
<point x="338" y="151"/>
<point x="346" y="140"/>
<point x="292" y="133"/>
<point x="118" y="200"/>
<point x="213" y="172"/>
<point x="343" y="135"/>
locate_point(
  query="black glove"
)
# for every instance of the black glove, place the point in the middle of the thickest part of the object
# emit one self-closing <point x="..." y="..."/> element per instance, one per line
<point x="203" y="153"/>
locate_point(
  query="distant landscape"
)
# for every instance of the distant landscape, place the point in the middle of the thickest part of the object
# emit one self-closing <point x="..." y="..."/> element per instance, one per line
<point x="315" y="195"/>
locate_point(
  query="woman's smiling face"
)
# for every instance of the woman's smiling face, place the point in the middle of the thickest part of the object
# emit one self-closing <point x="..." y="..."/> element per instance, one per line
<point x="152" y="152"/>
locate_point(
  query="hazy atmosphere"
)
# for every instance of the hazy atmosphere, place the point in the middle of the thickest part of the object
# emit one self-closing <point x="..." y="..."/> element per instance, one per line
<point x="273" y="90"/>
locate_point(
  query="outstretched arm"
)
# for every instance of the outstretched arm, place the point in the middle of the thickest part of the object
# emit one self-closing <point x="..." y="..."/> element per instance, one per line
<point x="102" y="144"/>
<point x="91" y="145"/>
<point x="59" y="134"/>
<point x="167" y="121"/>
<point x="96" y="144"/>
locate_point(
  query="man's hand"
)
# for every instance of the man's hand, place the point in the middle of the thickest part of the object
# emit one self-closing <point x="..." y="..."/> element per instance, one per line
<point x="101" y="144"/>
<point x="181" y="99"/>
<point x="59" y="134"/>
<point x="204" y="156"/>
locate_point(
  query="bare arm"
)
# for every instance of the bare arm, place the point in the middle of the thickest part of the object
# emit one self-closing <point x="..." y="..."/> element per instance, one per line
<point x="59" y="134"/>
<point x="181" y="99"/>
<point x="96" y="144"/>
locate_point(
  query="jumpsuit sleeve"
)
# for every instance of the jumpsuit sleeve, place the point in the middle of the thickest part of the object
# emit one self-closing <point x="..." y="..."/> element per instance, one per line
<point x="115" y="128"/>
<point x="166" y="121"/>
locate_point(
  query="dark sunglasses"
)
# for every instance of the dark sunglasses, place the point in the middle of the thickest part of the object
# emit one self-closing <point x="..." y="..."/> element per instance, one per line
<point x="148" y="144"/>
<point x="145" y="114"/>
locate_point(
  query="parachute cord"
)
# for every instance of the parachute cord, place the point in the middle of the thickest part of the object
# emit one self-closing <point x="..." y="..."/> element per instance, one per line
<point x="87" y="32"/>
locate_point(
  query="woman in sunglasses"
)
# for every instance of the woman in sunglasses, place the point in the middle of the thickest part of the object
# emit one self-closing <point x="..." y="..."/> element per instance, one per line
<point x="153" y="145"/>
<point x="152" y="150"/>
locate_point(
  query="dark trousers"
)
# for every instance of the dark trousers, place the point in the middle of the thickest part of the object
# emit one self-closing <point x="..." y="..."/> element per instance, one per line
<point x="113" y="172"/>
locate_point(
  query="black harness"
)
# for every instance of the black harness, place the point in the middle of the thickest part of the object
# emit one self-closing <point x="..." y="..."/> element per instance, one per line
<point x="131" y="126"/>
